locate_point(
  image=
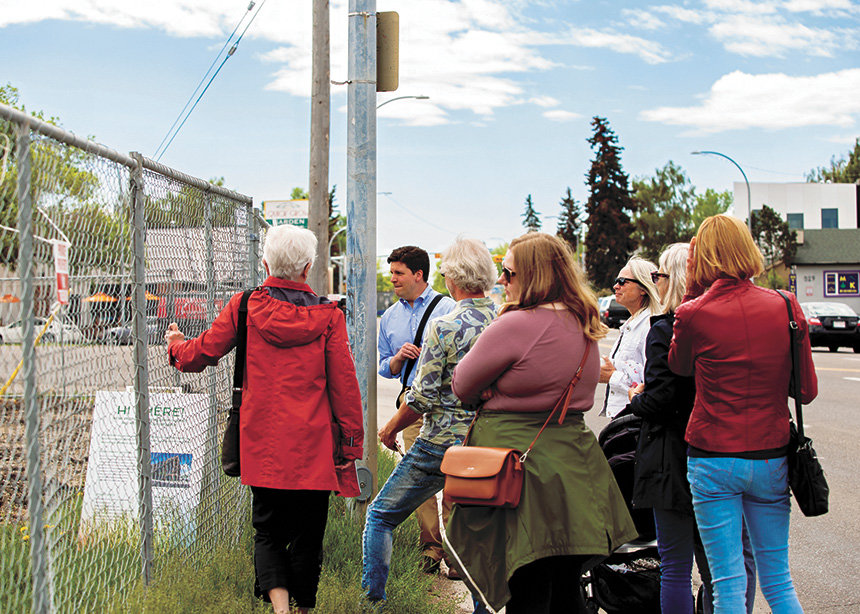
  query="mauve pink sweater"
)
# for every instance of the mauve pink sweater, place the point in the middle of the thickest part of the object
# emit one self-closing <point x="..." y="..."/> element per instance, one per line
<point x="529" y="358"/>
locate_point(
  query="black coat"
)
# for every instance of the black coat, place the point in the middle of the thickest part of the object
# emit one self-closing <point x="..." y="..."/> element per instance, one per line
<point x="660" y="474"/>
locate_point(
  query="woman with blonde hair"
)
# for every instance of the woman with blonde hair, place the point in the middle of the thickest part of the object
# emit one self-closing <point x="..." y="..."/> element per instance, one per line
<point x="734" y="338"/>
<point x="529" y="559"/>
<point x="625" y="365"/>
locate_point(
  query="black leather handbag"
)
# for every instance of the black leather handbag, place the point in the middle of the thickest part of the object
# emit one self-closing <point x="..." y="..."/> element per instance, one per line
<point x="230" y="444"/>
<point x="805" y="474"/>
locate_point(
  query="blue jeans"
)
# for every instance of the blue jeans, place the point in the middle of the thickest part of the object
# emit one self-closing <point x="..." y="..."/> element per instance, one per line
<point x="415" y="479"/>
<point x="676" y="541"/>
<point x="727" y="492"/>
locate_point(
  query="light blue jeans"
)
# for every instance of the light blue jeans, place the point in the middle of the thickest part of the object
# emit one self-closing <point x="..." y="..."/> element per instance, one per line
<point x="727" y="492"/>
<point x="415" y="479"/>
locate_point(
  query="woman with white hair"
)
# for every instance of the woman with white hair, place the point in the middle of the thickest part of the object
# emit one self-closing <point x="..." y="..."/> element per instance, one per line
<point x="300" y="422"/>
<point x="469" y="274"/>
<point x="625" y="365"/>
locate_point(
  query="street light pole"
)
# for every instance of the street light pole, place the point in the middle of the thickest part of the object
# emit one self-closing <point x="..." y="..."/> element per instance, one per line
<point x="749" y="199"/>
<point x="419" y="97"/>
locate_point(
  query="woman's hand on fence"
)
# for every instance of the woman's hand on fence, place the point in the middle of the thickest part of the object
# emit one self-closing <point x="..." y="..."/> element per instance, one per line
<point x="173" y="334"/>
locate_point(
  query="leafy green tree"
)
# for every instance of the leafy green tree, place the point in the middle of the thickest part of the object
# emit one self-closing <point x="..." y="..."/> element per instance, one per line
<point x="59" y="175"/>
<point x="708" y="204"/>
<point x="665" y="204"/>
<point x="531" y="221"/>
<point x="299" y="194"/>
<point x="775" y="239"/>
<point x="609" y="240"/>
<point x="840" y="171"/>
<point x="569" y="222"/>
<point x="383" y="278"/>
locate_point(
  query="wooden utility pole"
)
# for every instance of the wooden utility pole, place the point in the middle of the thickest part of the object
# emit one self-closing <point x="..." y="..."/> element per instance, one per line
<point x="320" y="118"/>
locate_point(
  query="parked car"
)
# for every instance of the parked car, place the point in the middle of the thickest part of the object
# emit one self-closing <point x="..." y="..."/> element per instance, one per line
<point x="832" y="325"/>
<point x="121" y="335"/>
<point x="58" y="331"/>
<point x="611" y="313"/>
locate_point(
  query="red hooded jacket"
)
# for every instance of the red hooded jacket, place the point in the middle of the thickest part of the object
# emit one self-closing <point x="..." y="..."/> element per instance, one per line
<point x="299" y="380"/>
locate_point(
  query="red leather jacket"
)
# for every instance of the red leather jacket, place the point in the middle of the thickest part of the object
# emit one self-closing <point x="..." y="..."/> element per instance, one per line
<point x="734" y="338"/>
<point x="299" y="378"/>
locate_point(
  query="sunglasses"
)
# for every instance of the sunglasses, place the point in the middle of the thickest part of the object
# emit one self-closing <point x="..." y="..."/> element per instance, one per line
<point x="508" y="273"/>
<point x="623" y="280"/>
<point x="655" y="276"/>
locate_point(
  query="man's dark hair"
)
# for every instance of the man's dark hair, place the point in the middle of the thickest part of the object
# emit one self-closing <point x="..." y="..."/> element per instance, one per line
<point x="415" y="259"/>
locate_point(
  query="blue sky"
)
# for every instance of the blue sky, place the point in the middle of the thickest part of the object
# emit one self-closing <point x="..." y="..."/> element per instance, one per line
<point x="513" y="85"/>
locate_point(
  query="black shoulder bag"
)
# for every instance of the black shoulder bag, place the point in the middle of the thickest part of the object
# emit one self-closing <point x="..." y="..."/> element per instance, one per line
<point x="805" y="475"/>
<point x="407" y="368"/>
<point x="230" y="443"/>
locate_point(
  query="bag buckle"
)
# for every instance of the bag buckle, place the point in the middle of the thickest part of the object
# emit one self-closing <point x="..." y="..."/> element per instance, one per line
<point x="237" y="398"/>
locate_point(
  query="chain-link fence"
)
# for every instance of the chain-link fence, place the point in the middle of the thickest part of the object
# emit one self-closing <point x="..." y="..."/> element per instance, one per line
<point x="109" y="462"/>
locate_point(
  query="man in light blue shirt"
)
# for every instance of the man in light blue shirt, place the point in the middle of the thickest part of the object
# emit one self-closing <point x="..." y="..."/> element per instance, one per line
<point x="410" y="269"/>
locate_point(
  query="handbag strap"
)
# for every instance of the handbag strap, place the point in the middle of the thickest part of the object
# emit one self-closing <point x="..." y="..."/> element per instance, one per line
<point x="563" y="402"/>
<point x="793" y="327"/>
<point x="407" y="369"/>
<point x="241" y="349"/>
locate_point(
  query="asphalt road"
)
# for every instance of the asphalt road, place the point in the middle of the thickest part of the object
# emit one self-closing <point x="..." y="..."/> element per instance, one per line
<point x="824" y="556"/>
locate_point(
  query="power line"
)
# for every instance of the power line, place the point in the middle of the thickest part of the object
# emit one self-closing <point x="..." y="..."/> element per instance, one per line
<point x="212" y="78"/>
<point x="405" y="208"/>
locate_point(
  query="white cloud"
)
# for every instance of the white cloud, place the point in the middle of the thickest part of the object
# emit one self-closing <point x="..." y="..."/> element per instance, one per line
<point x="821" y="6"/>
<point x="642" y="20"/>
<point x="746" y="7"/>
<point x="776" y="101"/>
<point x="545" y="101"/>
<point x="754" y="36"/>
<point x="684" y="15"/>
<point x="649" y="51"/>
<point x="558" y="115"/>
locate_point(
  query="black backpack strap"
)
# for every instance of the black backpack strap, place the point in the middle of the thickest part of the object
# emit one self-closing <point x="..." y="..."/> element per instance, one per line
<point x="241" y="348"/>
<point x="794" y="383"/>
<point x="407" y="369"/>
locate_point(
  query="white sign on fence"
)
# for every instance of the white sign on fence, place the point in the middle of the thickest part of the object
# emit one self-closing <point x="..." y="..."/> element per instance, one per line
<point x="177" y="433"/>
<point x="279" y="212"/>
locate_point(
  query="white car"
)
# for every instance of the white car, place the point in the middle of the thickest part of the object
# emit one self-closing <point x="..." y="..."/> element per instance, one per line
<point x="58" y="331"/>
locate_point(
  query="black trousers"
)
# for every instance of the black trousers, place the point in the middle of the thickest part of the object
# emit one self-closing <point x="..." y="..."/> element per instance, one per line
<point x="289" y="528"/>
<point x="548" y="585"/>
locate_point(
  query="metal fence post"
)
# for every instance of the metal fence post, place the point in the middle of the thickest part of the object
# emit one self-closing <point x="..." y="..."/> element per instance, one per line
<point x="209" y="502"/>
<point x="42" y="589"/>
<point x="361" y="213"/>
<point x="141" y="371"/>
<point x="253" y="247"/>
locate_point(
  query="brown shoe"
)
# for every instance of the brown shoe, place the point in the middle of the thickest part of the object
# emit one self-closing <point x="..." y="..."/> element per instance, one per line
<point x="453" y="574"/>
<point x="430" y="565"/>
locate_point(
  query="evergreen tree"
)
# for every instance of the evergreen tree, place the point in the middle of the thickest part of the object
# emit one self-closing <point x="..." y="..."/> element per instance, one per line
<point x="609" y="241"/>
<point x="531" y="220"/>
<point x="569" y="221"/>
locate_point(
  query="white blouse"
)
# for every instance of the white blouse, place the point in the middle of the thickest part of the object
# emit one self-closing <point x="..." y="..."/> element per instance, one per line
<point x="628" y="358"/>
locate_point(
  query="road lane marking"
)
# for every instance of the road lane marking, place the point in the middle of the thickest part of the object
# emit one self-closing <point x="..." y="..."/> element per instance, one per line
<point x="853" y="379"/>
<point x="835" y="369"/>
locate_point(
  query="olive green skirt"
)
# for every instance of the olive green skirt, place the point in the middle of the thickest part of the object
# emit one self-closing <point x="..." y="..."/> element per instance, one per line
<point x="570" y="504"/>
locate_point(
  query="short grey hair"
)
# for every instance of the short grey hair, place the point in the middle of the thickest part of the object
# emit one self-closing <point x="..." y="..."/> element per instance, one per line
<point x="673" y="261"/>
<point x="469" y="266"/>
<point x="288" y="250"/>
<point x="641" y="270"/>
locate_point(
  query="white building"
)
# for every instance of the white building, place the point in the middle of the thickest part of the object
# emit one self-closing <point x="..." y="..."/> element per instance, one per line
<point x="810" y="206"/>
<point x="826" y="216"/>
